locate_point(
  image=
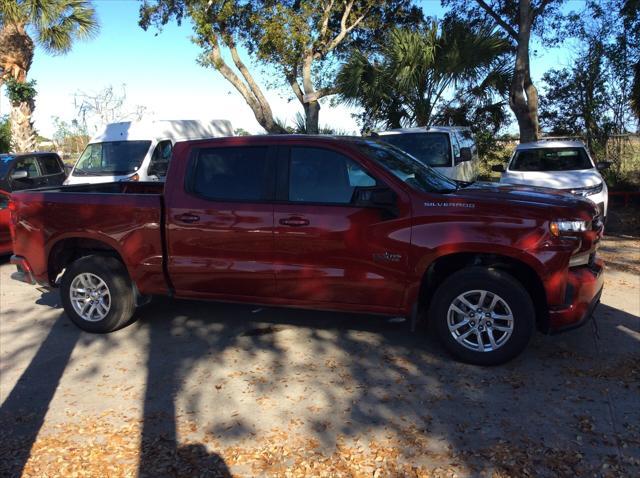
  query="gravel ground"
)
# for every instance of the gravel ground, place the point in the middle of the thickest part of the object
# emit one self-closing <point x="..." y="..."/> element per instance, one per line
<point x="206" y="389"/>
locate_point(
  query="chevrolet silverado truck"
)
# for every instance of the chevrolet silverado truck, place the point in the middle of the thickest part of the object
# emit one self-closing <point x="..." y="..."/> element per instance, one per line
<point x="343" y="224"/>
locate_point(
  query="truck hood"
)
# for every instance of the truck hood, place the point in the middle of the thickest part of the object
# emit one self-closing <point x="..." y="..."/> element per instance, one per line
<point x="554" y="179"/>
<point x="521" y="195"/>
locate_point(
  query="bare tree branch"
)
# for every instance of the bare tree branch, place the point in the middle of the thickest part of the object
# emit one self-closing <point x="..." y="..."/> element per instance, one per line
<point x="345" y="29"/>
<point x="324" y="25"/>
<point x="291" y="78"/>
<point x="255" y="88"/>
<point x="321" y="93"/>
<point x="505" y="26"/>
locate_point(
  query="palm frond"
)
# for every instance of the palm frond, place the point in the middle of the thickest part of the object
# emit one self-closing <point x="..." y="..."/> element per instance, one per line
<point x="61" y="22"/>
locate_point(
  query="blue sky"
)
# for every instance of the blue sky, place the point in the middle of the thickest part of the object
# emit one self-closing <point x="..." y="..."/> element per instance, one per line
<point x="161" y="73"/>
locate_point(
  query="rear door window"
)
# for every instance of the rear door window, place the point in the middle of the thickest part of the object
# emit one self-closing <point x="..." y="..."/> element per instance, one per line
<point x="319" y="175"/>
<point x="232" y="174"/>
<point x="50" y="165"/>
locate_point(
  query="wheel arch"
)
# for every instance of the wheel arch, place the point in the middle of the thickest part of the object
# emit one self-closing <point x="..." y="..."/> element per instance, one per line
<point x="69" y="249"/>
<point x="445" y="265"/>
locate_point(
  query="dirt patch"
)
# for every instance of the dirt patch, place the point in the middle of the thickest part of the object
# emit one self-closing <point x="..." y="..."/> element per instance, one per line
<point x="621" y="253"/>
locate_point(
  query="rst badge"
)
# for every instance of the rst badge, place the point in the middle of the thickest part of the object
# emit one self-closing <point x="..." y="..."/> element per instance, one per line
<point x="387" y="257"/>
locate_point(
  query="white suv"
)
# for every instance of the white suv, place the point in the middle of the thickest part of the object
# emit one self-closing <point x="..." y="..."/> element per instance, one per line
<point x="564" y="165"/>
<point x="451" y="150"/>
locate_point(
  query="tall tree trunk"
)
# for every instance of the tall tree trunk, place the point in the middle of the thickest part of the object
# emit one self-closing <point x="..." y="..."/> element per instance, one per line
<point x="16" y="52"/>
<point x="246" y="86"/>
<point x="311" y="107"/>
<point x="312" y="117"/>
<point x="23" y="136"/>
<point x="16" y="55"/>
<point x="523" y="96"/>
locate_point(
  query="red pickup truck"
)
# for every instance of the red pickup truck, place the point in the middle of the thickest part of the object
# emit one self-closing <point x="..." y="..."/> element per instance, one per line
<point x="347" y="224"/>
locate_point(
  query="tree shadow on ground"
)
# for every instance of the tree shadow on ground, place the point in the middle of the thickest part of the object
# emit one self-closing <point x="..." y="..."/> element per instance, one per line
<point x="23" y="411"/>
<point x="376" y="380"/>
<point x="212" y="369"/>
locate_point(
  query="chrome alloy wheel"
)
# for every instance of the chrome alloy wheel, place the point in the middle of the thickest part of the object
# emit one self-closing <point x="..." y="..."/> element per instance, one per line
<point x="480" y="320"/>
<point x="90" y="297"/>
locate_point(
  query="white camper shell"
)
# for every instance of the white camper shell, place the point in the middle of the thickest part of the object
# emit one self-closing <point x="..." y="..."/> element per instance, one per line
<point x="139" y="150"/>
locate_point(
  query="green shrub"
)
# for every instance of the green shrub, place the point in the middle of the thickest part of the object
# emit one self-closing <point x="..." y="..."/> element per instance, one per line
<point x="5" y="134"/>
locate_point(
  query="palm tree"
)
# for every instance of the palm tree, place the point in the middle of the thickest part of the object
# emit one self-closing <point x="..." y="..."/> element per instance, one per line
<point x="405" y="81"/>
<point x="54" y="25"/>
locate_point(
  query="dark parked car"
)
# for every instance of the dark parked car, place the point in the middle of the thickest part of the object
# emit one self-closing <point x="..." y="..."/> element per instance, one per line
<point x="25" y="171"/>
<point x="30" y="170"/>
<point x="318" y="222"/>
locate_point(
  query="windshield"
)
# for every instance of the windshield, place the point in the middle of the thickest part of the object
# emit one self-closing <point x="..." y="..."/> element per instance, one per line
<point x="431" y="149"/>
<point x="407" y="168"/>
<point x="5" y="163"/>
<point x="551" y="159"/>
<point x="111" y="158"/>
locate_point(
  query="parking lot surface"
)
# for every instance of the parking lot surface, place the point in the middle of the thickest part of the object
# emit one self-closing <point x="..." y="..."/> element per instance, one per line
<point x="210" y="389"/>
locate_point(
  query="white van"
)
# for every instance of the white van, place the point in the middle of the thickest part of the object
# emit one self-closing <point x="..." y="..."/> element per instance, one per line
<point x="450" y="150"/>
<point x="139" y="150"/>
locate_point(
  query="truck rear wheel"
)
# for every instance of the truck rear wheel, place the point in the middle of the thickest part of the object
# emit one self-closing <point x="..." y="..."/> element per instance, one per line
<point x="482" y="316"/>
<point x="97" y="294"/>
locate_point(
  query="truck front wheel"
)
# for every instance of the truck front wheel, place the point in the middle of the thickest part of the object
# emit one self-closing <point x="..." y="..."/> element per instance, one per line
<point x="482" y="316"/>
<point x="97" y="294"/>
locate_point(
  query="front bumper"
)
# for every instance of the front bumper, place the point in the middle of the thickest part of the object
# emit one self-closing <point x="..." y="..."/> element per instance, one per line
<point x="584" y="288"/>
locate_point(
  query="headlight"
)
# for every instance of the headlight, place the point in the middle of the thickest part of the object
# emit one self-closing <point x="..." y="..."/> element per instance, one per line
<point x="559" y="228"/>
<point x="584" y="192"/>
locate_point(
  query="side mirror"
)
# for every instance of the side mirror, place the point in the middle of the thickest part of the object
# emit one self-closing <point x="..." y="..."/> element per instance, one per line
<point x="20" y="174"/>
<point x="377" y="197"/>
<point x="602" y="165"/>
<point x="497" y="168"/>
<point x="465" y="155"/>
<point x="381" y="198"/>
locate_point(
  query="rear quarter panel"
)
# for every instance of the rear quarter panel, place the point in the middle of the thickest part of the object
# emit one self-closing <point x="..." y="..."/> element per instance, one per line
<point x="128" y="223"/>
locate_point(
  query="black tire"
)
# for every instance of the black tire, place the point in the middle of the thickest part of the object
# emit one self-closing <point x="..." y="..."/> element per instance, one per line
<point x="115" y="276"/>
<point x="496" y="282"/>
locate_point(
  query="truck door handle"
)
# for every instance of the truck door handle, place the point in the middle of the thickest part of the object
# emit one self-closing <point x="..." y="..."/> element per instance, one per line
<point x="190" y="218"/>
<point x="294" y="221"/>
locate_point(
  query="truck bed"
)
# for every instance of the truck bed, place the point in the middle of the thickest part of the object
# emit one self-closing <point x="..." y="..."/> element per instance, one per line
<point x="125" y="218"/>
